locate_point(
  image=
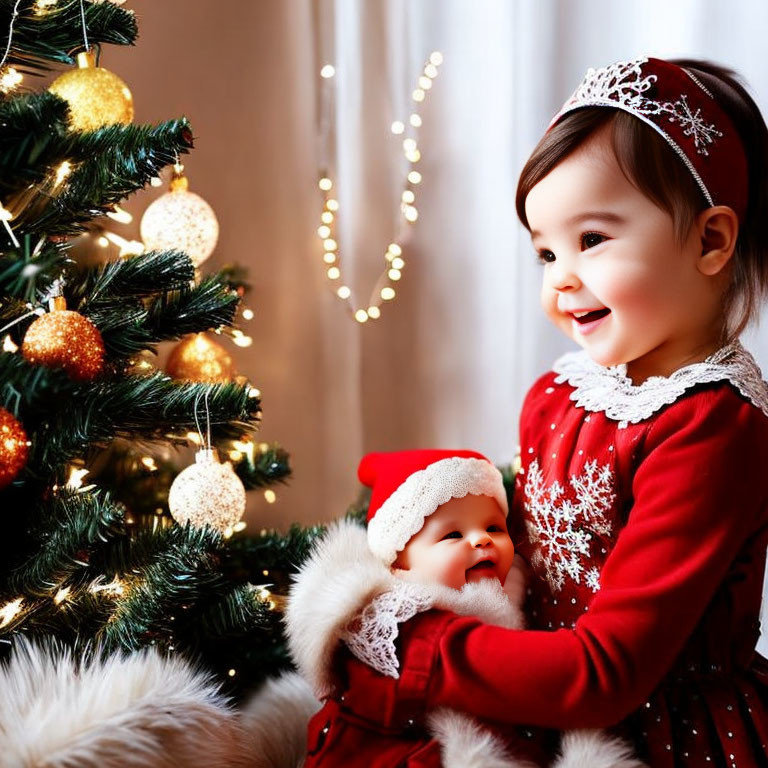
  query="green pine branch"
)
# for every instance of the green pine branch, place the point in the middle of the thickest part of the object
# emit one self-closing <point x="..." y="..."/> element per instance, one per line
<point x="30" y="388"/>
<point x="264" y="468"/>
<point x="210" y="304"/>
<point x="170" y="583"/>
<point x="66" y="533"/>
<point x="53" y="35"/>
<point x="239" y="612"/>
<point x="271" y="550"/>
<point x="33" y="139"/>
<point x="129" y="329"/>
<point x="143" y="407"/>
<point x="27" y="272"/>
<point x="108" y="164"/>
<point x="132" y="278"/>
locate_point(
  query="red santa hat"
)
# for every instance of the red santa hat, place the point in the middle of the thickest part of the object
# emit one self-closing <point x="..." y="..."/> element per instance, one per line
<point x="408" y="486"/>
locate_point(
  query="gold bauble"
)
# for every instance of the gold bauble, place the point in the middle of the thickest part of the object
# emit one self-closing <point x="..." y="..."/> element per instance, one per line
<point x="207" y="493"/>
<point x="14" y="448"/>
<point x="198" y="358"/>
<point x="65" y="339"/>
<point x="95" y="95"/>
<point x="180" y="220"/>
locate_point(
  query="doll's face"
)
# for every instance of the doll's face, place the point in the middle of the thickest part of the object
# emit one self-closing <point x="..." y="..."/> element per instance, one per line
<point x="464" y="540"/>
<point x="616" y="278"/>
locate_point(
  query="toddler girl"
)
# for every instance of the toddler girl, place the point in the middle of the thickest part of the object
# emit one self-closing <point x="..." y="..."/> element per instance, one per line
<point x="642" y="500"/>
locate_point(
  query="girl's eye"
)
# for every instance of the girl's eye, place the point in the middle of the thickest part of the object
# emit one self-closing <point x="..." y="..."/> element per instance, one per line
<point x="545" y="257"/>
<point x="452" y="535"/>
<point x="493" y="529"/>
<point x="591" y="239"/>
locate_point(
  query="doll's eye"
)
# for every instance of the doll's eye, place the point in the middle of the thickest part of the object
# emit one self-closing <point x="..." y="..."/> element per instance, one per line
<point x="452" y="535"/>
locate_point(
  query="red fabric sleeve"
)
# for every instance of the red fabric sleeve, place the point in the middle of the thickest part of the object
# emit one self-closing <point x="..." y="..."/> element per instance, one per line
<point x="699" y="492"/>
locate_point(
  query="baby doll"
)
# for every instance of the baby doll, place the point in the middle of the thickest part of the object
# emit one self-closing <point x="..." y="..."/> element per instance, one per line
<point x="437" y="539"/>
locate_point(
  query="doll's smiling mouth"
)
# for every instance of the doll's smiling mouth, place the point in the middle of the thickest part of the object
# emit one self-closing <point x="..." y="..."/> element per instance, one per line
<point x="483" y="569"/>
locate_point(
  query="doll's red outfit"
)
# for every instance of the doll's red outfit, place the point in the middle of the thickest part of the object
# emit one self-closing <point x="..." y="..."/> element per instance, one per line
<point x="643" y="511"/>
<point x="344" y="618"/>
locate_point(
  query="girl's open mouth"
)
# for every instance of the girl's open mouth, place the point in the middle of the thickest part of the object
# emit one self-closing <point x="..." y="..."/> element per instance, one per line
<point x="589" y="321"/>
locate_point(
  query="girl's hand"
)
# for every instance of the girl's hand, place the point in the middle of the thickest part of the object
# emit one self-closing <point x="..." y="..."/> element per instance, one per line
<point x="516" y="581"/>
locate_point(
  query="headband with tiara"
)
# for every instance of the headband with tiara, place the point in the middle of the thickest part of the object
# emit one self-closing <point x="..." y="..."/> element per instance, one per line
<point x="679" y="107"/>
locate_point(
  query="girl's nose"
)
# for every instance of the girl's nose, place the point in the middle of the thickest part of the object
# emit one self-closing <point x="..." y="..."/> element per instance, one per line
<point x="563" y="277"/>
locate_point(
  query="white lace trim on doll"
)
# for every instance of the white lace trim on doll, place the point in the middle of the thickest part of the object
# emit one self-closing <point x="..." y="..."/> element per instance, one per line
<point x="371" y="637"/>
<point x="611" y="391"/>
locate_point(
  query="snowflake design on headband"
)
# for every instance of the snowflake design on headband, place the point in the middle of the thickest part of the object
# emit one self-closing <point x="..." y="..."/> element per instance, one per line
<point x="622" y="82"/>
<point x="692" y="123"/>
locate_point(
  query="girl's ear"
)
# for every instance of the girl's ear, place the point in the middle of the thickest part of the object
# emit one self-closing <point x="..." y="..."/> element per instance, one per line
<point x="718" y="227"/>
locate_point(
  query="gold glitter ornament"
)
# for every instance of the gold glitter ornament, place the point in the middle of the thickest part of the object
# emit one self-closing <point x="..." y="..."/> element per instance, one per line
<point x="207" y="493"/>
<point x="198" y="358"/>
<point x="14" y="448"/>
<point x="65" y="339"/>
<point x="180" y="220"/>
<point x="96" y="96"/>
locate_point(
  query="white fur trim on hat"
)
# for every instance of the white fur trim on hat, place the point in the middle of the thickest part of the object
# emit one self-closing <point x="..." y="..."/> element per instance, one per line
<point x="402" y="515"/>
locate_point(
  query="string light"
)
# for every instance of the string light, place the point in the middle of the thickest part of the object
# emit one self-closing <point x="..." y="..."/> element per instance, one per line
<point x="62" y="595"/>
<point x="120" y="215"/>
<point x="9" y="345"/>
<point x="43" y="6"/>
<point x="64" y="170"/>
<point x="76" y="476"/>
<point x="392" y="272"/>
<point x="10" y="611"/>
<point x="10" y="79"/>
<point x="149" y="463"/>
<point x="270" y="496"/>
<point x="113" y="588"/>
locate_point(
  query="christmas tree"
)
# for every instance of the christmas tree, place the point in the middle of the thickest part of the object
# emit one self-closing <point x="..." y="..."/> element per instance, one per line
<point x="94" y="560"/>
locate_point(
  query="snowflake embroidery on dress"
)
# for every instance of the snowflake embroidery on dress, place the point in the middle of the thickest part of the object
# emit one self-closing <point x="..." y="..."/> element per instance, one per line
<point x="623" y="83"/>
<point x="371" y="637"/>
<point x="560" y="521"/>
<point x="611" y="391"/>
<point x="592" y="579"/>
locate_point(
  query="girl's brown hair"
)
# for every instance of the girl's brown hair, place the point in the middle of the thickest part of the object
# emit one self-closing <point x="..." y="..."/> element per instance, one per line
<point x="647" y="161"/>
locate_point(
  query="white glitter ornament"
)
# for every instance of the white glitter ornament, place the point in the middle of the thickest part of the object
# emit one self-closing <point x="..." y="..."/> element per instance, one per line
<point x="207" y="493"/>
<point x="180" y="220"/>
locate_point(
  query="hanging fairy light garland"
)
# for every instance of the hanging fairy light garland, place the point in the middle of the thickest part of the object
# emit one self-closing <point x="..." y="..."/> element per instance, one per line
<point x="394" y="263"/>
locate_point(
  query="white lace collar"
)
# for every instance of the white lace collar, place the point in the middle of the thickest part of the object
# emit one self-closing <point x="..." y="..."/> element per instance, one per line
<point x="610" y="390"/>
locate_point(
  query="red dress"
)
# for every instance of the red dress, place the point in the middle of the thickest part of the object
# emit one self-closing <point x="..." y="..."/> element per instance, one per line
<point x="643" y="512"/>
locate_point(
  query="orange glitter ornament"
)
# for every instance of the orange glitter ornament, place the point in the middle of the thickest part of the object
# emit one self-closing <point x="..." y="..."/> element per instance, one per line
<point x="65" y="339"/>
<point x="14" y="448"/>
<point x="198" y="358"/>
